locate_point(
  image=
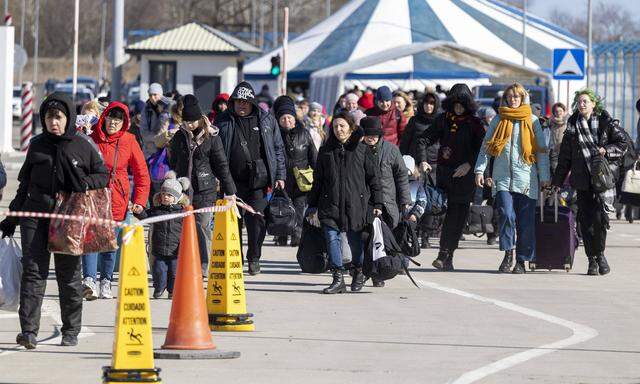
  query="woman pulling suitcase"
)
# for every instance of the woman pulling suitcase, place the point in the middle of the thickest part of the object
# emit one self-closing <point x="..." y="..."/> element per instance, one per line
<point x="592" y="143"/>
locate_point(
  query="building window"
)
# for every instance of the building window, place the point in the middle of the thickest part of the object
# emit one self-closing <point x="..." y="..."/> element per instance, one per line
<point x="164" y="73"/>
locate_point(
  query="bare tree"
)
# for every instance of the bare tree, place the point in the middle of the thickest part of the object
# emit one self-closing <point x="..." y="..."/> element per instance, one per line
<point x="611" y="22"/>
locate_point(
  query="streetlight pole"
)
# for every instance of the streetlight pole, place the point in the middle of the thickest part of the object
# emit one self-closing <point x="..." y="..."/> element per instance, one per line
<point x="524" y="33"/>
<point x="103" y="33"/>
<point x="275" y="24"/>
<point x="22" y="15"/>
<point x="118" y="38"/>
<point x="76" y="27"/>
<point x="589" y="40"/>
<point x="35" y="47"/>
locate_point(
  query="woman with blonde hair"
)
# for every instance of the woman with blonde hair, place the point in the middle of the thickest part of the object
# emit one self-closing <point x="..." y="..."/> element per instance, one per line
<point x="403" y="104"/>
<point x="521" y="167"/>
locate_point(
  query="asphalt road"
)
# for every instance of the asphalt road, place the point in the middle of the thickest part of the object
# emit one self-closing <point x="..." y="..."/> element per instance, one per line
<point x="472" y="325"/>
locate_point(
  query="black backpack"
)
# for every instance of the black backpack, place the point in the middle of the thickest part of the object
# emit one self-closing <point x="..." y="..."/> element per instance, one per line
<point x="386" y="267"/>
<point x="406" y="235"/>
<point x="280" y="214"/>
<point x="312" y="253"/>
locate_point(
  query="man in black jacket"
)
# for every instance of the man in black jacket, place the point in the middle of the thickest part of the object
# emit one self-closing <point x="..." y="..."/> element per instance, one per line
<point x="255" y="150"/>
<point x="58" y="160"/>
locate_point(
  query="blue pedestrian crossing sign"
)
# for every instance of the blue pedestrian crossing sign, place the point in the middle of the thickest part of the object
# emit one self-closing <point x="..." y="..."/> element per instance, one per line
<point x="568" y="64"/>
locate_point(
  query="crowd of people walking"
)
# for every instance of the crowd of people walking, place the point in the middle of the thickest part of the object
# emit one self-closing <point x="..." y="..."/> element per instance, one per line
<point x="378" y="155"/>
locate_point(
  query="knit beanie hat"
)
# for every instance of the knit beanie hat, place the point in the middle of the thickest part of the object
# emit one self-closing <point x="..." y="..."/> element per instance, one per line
<point x="155" y="89"/>
<point x="384" y="94"/>
<point x="284" y="105"/>
<point x="315" y="107"/>
<point x="191" y="110"/>
<point x="352" y="97"/>
<point x="244" y="91"/>
<point x="357" y="116"/>
<point x="366" y="101"/>
<point x="371" y="126"/>
<point x="174" y="186"/>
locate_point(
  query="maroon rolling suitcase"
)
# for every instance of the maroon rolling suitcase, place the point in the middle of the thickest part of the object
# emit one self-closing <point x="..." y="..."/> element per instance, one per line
<point x="556" y="237"/>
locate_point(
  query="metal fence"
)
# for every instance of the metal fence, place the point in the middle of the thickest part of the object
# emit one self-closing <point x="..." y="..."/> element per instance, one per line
<point x="617" y="80"/>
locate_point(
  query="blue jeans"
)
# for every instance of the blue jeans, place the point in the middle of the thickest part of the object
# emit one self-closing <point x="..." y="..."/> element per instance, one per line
<point x="516" y="224"/>
<point x="334" y="246"/>
<point x="104" y="262"/>
<point x="164" y="273"/>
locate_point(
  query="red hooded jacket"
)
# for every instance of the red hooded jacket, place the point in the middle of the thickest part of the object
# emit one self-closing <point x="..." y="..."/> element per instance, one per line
<point x="393" y="123"/>
<point x="129" y="157"/>
<point x="220" y="98"/>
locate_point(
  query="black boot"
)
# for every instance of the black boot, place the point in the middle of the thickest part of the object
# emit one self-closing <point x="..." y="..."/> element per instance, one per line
<point x="337" y="285"/>
<point x="438" y="263"/>
<point x="519" y="269"/>
<point x="507" y="262"/>
<point x="27" y="340"/>
<point x="424" y="244"/>
<point x="491" y="239"/>
<point x="358" y="280"/>
<point x="603" y="266"/>
<point x="295" y="240"/>
<point x="448" y="263"/>
<point x="592" y="269"/>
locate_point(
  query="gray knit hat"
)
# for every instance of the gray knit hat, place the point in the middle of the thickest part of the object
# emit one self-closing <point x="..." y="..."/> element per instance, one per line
<point x="155" y="89"/>
<point x="174" y="186"/>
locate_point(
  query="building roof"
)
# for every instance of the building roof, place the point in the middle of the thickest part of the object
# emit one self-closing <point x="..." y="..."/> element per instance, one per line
<point x="192" y="38"/>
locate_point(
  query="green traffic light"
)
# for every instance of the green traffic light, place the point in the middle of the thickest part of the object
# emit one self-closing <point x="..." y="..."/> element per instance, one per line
<point x="275" y="71"/>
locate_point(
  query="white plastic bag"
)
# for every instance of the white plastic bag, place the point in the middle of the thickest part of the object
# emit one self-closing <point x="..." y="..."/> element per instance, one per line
<point x="346" y="249"/>
<point x="10" y="274"/>
<point x="378" y="240"/>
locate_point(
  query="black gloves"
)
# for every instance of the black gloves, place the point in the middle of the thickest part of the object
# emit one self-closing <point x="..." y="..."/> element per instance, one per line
<point x="8" y="226"/>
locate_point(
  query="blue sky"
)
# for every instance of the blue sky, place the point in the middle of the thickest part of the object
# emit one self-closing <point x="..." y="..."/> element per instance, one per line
<point x="544" y="7"/>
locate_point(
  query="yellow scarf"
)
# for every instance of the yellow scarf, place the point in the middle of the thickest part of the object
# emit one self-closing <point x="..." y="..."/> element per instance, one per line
<point x="505" y="127"/>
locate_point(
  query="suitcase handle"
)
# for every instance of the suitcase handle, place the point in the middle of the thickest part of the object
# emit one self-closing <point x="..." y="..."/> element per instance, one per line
<point x="555" y="205"/>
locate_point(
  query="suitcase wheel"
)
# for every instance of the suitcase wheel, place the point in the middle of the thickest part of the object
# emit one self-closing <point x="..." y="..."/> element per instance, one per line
<point x="532" y="266"/>
<point x="567" y="267"/>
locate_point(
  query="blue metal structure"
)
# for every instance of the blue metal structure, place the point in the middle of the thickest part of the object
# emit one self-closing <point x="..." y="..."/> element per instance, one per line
<point x="617" y="80"/>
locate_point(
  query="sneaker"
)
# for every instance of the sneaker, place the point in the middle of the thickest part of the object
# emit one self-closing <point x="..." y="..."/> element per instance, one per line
<point x="105" y="289"/>
<point x="254" y="268"/>
<point x="27" y="340"/>
<point x="157" y="293"/>
<point x="69" y="340"/>
<point x="378" y="284"/>
<point x="89" y="291"/>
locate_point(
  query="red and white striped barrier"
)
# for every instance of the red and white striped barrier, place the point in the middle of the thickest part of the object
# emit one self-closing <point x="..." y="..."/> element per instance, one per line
<point x="151" y="220"/>
<point x="8" y="20"/>
<point x="26" y="128"/>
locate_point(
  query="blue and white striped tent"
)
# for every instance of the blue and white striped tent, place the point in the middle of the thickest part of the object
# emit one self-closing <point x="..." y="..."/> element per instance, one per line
<point x="364" y="27"/>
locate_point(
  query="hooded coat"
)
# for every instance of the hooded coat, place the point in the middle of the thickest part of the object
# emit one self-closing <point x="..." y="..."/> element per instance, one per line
<point x="222" y="97"/>
<point x="130" y="156"/>
<point x="416" y="127"/>
<point x="57" y="163"/>
<point x="345" y="182"/>
<point x="271" y="140"/>
<point x="460" y="139"/>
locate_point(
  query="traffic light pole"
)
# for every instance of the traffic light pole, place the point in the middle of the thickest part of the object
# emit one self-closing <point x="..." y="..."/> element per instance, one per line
<point x="285" y="43"/>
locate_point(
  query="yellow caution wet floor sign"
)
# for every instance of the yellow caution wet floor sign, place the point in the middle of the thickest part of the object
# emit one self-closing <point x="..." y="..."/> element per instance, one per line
<point x="226" y="299"/>
<point x="132" y="360"/>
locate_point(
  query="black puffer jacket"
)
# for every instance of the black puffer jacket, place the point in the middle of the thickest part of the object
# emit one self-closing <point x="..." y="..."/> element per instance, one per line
<point x="269" y="133"/>
<point x="165" y="235"/>
<point x="58" y="163"/>
<point x="571" y="159"/>
<point x="416" y="128"/>
<point x="299" y="152"/>
<point x="209" y="162"/>
<point x="345" y="180"/>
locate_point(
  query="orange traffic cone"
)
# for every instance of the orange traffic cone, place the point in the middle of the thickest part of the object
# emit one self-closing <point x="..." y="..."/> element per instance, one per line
<point x="188" y="335"/>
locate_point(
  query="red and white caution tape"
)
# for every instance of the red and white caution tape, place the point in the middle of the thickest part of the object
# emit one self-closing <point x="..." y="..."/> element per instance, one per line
<point x="27" y="116"/>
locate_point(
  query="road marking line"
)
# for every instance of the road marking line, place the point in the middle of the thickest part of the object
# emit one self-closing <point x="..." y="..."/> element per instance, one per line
<point x="8" y="315"/>
<point x="580" y="333"/>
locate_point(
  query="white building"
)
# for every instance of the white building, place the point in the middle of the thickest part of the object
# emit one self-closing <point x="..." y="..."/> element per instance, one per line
<point x="192" y="59"/>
